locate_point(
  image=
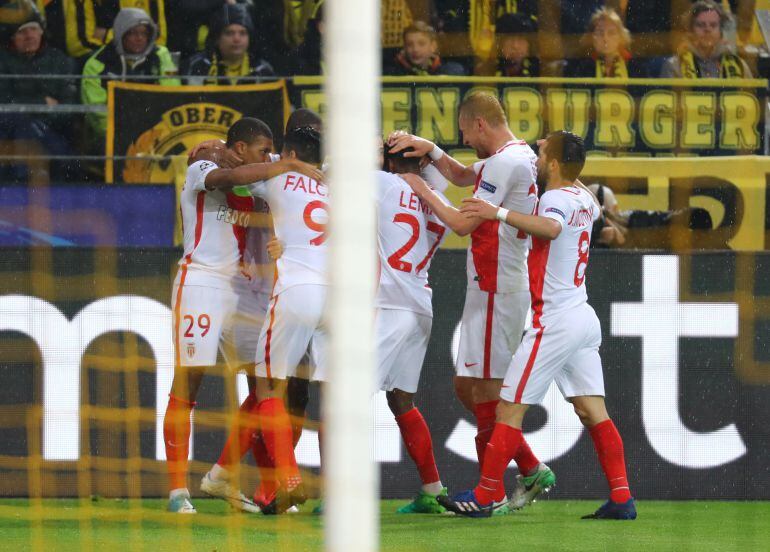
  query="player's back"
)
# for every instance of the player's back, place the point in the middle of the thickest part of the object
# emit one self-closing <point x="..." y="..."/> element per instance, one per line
<point x="213" y="225"/>
<point x="408" y="235"/>
<point x="299" y="206"/>
<point x="557" y="268"/>
<point x="497" y="253"/>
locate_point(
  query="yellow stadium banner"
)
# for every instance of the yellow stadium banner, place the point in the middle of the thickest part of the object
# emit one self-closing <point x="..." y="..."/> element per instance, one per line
<point x="151" y="128"/>
<point x="646" y="117"/>
<point x="734" y="190"/>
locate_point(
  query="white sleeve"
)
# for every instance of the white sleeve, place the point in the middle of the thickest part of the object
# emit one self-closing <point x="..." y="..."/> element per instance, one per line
<point x="434" y="178"/>
<point x="258" y="188"/>
<point x="497" y="178"/>
<point x="554" y="206"/>
<point x="197" y="172"/>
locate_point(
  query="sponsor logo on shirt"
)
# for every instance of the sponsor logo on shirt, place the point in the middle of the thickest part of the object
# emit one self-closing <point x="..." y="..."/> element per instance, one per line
<point x="557" y="211"/>
<point x="205" y="165"/>
<point x="233" y="216"/>
<point x="491" y="188"/>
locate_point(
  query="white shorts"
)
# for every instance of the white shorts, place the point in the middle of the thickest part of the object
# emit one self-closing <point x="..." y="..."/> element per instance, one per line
<point x="294" y="325"/>
<point x="402" y="339"/>
<point x="565" y="350"/>
<point x="209" y="319"/>
<point x="492" y="326"/>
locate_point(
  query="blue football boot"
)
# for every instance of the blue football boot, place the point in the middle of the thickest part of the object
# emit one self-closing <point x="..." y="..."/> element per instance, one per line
<point x="615" y="510"/>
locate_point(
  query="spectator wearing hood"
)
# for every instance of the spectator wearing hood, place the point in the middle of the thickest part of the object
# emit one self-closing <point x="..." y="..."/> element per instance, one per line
<point x="132" y="52"/>
<point x="27" y="53"/>
<point x="420" y="54"/>
<point x="227" y="53"/>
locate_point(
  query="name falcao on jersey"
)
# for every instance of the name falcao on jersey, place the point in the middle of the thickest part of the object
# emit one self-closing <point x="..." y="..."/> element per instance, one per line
<point x="299" y="183"/>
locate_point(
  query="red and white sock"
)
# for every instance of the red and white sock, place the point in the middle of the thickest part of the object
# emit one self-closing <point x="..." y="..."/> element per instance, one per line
<point x="609" y="448"/>
<point x="275" y="426"/>
<point x="502" y="447"/>
<point x="525" y="459"/>
<point x="485" y="423"/>
<point x="419" y="445"/>
<point x="267" y="482"/>
<point x="241" y="434"/>
<point x="176" y="436"/>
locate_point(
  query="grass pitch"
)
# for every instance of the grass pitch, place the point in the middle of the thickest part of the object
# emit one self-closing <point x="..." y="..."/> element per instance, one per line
<point x="107" y="524"/>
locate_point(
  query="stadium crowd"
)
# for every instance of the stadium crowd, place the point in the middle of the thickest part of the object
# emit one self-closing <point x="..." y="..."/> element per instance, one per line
<point x="194" y="42"/>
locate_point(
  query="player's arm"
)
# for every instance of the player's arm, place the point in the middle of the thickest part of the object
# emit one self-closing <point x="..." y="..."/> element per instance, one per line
<point x="216" y="152"/>
<point x="579" y="184"/>
<point x="534" y="225"/>
<point x="456" y="221"/>
<point x="254" y="172"/>
<point x="451" y="168"/>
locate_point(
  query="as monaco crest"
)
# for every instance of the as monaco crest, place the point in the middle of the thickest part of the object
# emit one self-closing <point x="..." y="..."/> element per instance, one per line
<point x="190" y="350"/>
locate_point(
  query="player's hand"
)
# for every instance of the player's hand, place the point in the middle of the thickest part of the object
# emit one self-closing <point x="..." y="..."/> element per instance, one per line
<point x="208" y="144"/>
<point x="305" y="168"/>
<point x="421" y="146"/>
<point x="396" y="134"/>
<point x="227" y="158"/>
<point x="274" y="248"/>
<point x="418" y="185"/>
<point x="479" y="208"/>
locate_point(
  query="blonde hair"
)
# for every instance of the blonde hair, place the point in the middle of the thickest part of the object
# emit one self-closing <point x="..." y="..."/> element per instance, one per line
<point x="606" y="14"/>
<point x="485" y="106"/>
<point x="420" y="27"/>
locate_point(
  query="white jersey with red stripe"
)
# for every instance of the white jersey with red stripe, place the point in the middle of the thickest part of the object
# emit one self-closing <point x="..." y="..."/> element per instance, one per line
<point x="300" y="211"/>
<point x="408" y="235"/>
<point x="557" y="267"/>
<point x="497" y="255"/>
<point x="214" y="226"/>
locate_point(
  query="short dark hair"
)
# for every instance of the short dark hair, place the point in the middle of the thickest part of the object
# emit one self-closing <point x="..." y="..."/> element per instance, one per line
<point x="305" y="141"/>
<point x="568" y="150"/>
<point x="247" y="129"/>
<point x="397" y="162"/>
<point x="303" y="117"/>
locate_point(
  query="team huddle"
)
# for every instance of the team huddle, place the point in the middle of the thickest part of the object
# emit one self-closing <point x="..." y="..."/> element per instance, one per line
<point x="525" y="252"/>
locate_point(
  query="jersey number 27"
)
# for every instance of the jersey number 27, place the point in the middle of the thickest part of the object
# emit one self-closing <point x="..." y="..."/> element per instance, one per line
<point x="396" y="260"/>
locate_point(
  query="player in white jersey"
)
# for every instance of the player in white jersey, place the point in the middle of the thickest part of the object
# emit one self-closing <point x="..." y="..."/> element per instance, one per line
<point x="563" y="343"/>
<point x="408" y="235"/>
<point x="496" y="300"/>
<point x="260" y="251"/>
<point x="294" y="324"/>
<point x="210" y="297"/>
